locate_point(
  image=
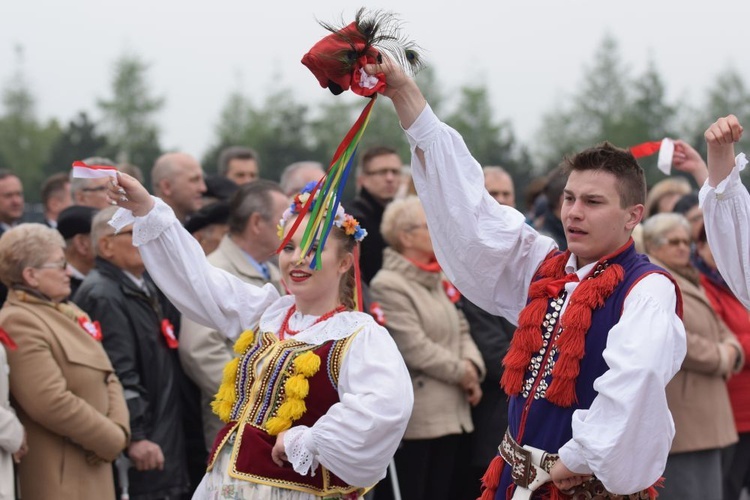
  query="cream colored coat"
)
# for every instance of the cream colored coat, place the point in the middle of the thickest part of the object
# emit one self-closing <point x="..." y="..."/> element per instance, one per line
<point x="697" y="395"/>
<point x="203" y="351"/>
<point x="433" y="337"/>
<point x="68" y="399"/>
<point x="11" y="433"/>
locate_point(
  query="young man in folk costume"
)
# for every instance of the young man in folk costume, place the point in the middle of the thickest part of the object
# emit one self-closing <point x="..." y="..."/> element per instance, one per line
<point x="599" y="336"/>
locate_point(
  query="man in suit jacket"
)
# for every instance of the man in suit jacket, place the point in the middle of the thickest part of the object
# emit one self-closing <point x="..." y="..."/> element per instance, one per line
<point x="254" y="212"/>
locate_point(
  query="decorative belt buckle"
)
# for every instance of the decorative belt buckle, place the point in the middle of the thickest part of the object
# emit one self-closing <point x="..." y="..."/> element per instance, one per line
<point x="521" y="472"/>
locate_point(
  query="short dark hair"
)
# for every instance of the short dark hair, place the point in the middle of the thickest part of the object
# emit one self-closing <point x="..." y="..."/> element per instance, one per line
<point x="233" y="153"/>
<point x="54" y="184"/>
<point x="371" y="153"/>
<point x="605" y="157"/>
<point x="555" y="186"/>
<point x="249" y="199"/>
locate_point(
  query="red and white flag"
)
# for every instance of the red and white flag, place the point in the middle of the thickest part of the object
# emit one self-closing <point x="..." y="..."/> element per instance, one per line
<point x="665" y="148"/>
<point x="83" y="171"/>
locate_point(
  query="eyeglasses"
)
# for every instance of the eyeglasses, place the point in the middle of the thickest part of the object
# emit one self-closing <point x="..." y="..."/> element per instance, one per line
<point x="94" y="190"/>
<point x="54" y="265"/>
<point x="675" y="242"/>
<point x="384" y="172"/>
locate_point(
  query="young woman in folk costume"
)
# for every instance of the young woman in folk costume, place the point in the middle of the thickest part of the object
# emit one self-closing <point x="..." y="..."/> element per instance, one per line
<point x="319" y="397"/>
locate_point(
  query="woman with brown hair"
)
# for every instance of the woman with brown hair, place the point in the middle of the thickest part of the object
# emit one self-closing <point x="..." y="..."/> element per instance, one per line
<point x="68" y="397"/>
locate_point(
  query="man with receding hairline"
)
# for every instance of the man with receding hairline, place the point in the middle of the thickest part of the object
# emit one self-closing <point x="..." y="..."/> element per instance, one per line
<point x="499" y="184"/>
<point x="177" y="178"/>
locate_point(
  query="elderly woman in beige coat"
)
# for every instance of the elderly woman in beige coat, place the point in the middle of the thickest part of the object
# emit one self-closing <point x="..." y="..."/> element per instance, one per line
<point x="433" y="336"/>
<point x="67" y="395"/>
<point x="697" y="395"/>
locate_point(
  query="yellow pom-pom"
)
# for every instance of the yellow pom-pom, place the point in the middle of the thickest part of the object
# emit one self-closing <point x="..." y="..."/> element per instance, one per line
<point x="223" y="409"/>
<point x="276" y="425"/>
<point x="292" y="409"/>
<point x="230" y="371"/>
<point x="297" y="387"/>
<point x="244" y="342"/>
<point x="307" y="364"/>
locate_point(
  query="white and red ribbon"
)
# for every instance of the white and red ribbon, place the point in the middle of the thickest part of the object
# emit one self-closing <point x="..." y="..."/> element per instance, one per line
<point x="665" y="148"/>
<point x="83" y="171"/>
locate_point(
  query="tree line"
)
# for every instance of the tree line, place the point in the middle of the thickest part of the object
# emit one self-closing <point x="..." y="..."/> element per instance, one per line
<point x="608" y="102"/>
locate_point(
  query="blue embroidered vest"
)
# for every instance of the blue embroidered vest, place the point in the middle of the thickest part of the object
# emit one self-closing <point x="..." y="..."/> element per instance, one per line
<point x="545" y="425"/>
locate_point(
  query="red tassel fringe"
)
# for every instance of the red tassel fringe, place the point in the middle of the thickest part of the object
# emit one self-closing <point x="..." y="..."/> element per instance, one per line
<point x="491" y="478"/>
<point x="590" y="294"/>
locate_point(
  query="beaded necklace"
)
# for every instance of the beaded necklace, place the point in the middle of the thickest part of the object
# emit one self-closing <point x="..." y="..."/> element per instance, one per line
<point x="285" y="325"/>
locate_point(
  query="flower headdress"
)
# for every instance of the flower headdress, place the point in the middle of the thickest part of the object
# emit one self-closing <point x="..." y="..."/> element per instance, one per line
<point x="341" y="219"/>
<point x="338" y="62"/>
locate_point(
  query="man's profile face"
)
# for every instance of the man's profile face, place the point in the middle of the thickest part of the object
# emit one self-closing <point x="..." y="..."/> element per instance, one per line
<point x="11" y="199"/>
<point x="381" y="177"/>
<point x="242" y="171"/>
<point x="500" y="187"/>
<point x="595" y="224"/>
<point x="187" y="186"/>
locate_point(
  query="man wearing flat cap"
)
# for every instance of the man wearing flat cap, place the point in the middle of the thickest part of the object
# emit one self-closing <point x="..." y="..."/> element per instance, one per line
<point x="74" y="224"/>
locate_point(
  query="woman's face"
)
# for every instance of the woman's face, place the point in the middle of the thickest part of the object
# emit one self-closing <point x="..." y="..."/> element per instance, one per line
<point x="416" y="239"/>
<point x="308" y="285"/>
<point x="52" y="278"/>
<point x="675" y="249"/>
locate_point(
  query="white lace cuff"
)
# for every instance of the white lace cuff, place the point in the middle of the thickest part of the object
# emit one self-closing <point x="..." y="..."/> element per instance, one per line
<point x="299" y="450"/>
<point x="149" y="226"/>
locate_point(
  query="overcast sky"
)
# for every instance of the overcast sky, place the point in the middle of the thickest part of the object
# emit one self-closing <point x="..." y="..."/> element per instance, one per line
<point x="530" y="54"/>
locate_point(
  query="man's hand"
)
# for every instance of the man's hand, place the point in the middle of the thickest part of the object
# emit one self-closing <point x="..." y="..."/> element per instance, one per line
<point x="687" y="159"/>
<point x="720" y="138"/>
<point x="278" y="453"/>
<point x="474" y="394"/>
<point x="565" y="479"/>
<point x="23" y="450"/>
<point x="401" y="89"/>
<point x="470" y="376"/>
<point x="146" y="455"/>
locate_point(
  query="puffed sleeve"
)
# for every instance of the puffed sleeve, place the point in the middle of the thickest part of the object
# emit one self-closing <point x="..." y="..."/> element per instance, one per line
<point x="487" y="250"/>
<point x="726" y="214"/>
<point x="629" y="419"/>
<point x="177" y="263"/>
<point x="358" y="436"/>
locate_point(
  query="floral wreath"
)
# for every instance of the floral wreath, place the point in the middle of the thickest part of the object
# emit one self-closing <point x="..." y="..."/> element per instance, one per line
<point x="342" y="220"/>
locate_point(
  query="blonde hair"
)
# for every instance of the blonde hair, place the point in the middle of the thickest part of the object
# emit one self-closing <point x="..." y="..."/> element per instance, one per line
<point x="399" y="216"/>
<point x="665" y="187"/>
<point x="26" y="245"/>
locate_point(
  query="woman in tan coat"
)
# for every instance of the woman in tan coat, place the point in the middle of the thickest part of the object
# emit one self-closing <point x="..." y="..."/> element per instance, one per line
<point x="433" y="337"/>
<point x="65" y="390"/>
<point x="697" y="395"/>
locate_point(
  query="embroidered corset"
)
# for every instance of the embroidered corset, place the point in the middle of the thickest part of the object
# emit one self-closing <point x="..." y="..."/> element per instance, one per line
<point x="261" y="377"/>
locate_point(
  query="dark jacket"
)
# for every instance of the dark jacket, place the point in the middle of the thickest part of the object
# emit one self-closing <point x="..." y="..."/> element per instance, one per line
<point x="553" y="227"/>
<point x="148" y="369"/>
<point x="369" y="213"/>
<point x="492" y="335"/>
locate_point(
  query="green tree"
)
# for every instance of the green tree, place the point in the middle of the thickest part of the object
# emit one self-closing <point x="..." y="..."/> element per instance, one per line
<point x="78" y="141"/>
<point x="491" y="142"/>
<point x="25" y="143"/>
<point x="130" y="114"/>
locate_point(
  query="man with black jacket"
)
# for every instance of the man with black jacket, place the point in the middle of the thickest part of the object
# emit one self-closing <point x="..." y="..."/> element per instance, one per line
<point x="378" y="180"/>
<point x="138" y="334"/>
